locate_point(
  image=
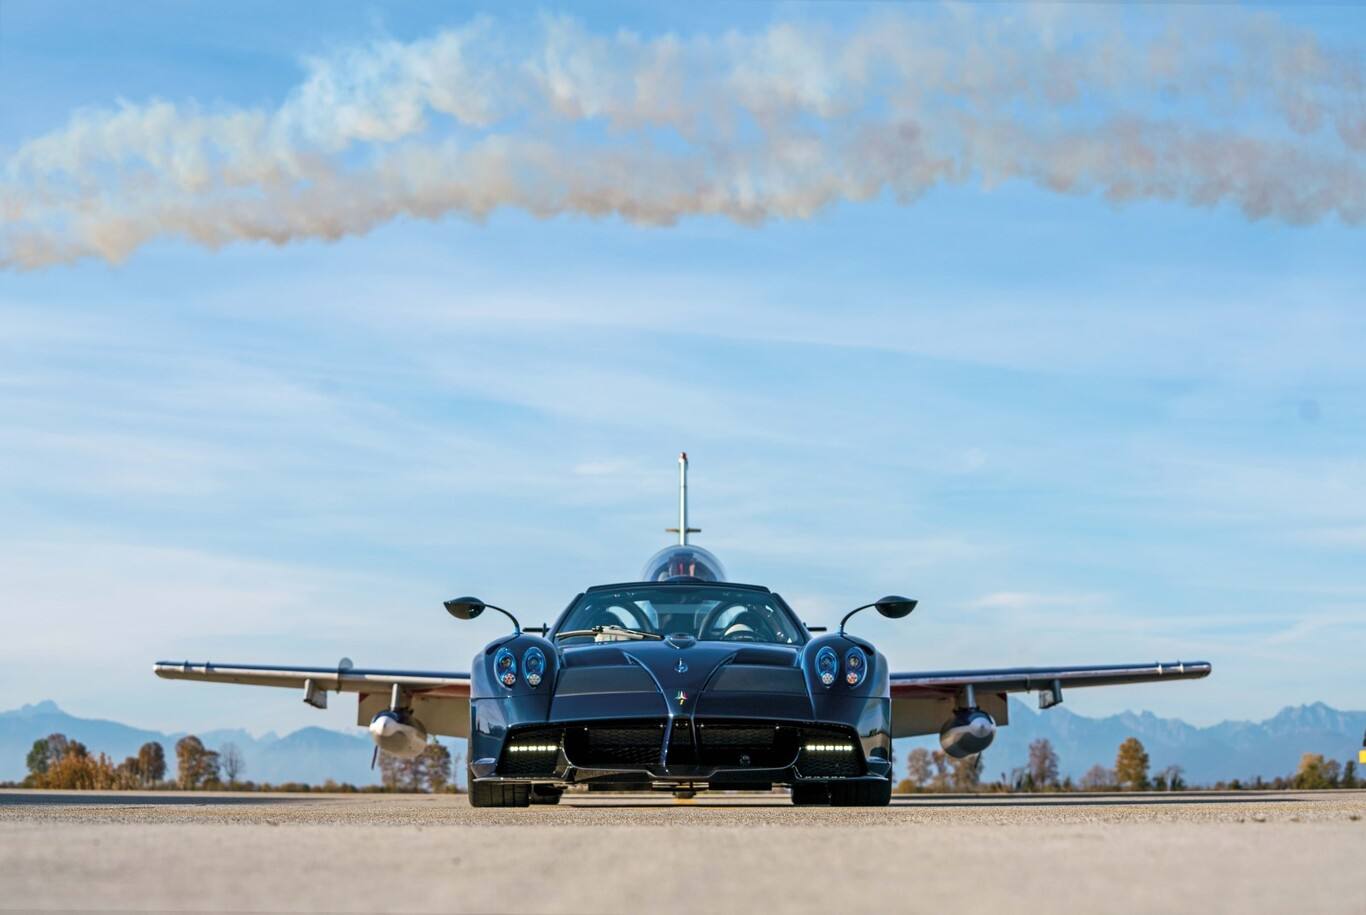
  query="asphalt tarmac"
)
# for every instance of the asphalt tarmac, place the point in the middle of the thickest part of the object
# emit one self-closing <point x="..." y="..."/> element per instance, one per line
<point x="1241" y="852"/>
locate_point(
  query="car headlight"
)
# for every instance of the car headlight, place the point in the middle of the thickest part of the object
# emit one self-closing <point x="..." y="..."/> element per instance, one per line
<point x="533" y="666"/>
<point x="505" y="668"/>
<point x="855" y="666"/>
<point x="827" y="665"/>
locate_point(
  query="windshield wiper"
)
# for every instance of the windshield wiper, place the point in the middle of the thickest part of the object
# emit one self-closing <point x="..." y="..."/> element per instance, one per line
<point x="609" y="630"/>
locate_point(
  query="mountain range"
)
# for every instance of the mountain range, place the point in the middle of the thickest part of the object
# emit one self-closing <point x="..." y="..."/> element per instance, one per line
<point x="1230" y="749"/>
<point x="1219" y="752"/>
<point x="307" y="755"/>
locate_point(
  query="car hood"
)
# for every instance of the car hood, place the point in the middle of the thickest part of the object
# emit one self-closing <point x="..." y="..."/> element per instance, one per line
<point x="681" y="666"/>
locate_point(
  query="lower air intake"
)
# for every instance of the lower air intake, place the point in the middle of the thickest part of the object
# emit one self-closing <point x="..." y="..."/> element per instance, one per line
<point x="531" y="752"/>
<point x="829" y="753"/>
<point x="615" y="746"/>
<point x="743" y="745"/>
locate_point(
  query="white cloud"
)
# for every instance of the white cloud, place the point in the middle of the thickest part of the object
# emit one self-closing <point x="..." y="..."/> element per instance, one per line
<point x="776" y="123"/>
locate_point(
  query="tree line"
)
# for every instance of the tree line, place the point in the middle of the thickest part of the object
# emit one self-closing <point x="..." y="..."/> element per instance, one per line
<point x="57" y="761"/>
<point x="936" y="771"/>
<point x="1315" y="771"/>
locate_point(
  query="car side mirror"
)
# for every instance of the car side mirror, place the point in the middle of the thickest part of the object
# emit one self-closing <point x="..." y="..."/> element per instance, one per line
<point x="465" y="608"/>
<point x="894" y="607"/>
<point x="891" y="606"/>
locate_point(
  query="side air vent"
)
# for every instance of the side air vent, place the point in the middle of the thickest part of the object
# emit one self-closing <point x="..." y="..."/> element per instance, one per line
<point x="755" y="678"/>
<point x="587" y="681"/>
<point x="768" y="657"/>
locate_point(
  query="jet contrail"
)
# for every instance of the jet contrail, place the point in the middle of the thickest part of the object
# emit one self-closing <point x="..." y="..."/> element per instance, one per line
<point x="1203" y="108"/>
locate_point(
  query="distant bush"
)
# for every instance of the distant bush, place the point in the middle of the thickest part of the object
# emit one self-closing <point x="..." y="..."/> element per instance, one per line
<point x="77" y="770"/>
<point x="1317" y="772"/>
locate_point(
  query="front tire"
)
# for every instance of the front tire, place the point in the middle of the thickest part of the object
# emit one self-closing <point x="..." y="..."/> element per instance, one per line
<point x="861" y="794"/>
<point x="497" y="794"/>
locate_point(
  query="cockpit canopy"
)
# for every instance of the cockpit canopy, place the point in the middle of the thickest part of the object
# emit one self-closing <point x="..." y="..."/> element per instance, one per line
<point x="683" y="561"/>
<point x="706" y="612"/>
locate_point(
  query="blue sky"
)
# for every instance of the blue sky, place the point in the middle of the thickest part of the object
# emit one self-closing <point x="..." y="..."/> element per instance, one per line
<point x="1080" y="430"/>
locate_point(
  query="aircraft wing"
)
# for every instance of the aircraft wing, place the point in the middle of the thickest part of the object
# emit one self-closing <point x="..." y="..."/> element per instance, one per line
<point x="923" y="700"/>
<point x="439" y="699"/>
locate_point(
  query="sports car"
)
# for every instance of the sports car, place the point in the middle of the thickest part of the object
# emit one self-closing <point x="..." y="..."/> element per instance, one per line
<point x="681" y="681"/>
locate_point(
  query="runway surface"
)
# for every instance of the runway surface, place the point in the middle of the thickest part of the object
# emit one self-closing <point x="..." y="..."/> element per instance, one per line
<point x="1241" y="852"/>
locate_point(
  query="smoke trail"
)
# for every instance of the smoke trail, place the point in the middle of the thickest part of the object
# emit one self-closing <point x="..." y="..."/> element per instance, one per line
<point x="1208" y="109"/>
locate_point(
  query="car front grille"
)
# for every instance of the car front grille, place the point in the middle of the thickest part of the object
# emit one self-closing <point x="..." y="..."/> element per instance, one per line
<point x="744" y="745"/>
<point x="682" y="746"/>
<point x="818" y="752"/>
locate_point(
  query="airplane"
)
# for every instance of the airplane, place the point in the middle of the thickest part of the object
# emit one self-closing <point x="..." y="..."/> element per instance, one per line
<point x="680" y="681"/>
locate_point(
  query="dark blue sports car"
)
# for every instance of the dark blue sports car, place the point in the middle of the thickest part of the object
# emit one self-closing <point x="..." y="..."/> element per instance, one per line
<point x="680" y="682"/>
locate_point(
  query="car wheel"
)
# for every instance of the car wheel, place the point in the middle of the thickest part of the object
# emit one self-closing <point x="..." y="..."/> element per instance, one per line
<point x="806" y="795"/>
<point x="497" y="794"/>
<point x="544" y="794"/>
<point x="862" y="794"/>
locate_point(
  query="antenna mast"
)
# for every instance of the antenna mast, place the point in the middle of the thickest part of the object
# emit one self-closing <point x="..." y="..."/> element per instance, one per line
<point x="683" y="530"/>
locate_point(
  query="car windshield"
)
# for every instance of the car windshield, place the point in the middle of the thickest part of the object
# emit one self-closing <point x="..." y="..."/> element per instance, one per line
<point x="709" y="613"/>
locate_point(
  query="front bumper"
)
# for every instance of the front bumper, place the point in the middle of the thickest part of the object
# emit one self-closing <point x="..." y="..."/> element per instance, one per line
<point x="715" y="753"/>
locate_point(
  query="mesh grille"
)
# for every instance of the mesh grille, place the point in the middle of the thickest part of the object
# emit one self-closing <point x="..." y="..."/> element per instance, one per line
<point x="742" y="745"/>
<point x="730" y="744"/>
<point x="615" y="746"/>
<point x="682" y="750"/>
<point x="819" y="766"/>
<point x="518" y="760"/>
<point x="718" y="736"/>
<point x="814" y="763"/>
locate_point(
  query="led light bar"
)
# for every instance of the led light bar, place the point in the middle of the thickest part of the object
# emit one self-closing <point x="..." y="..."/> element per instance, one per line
<point x="533" y="748"/>
<point x="830" y="747"/>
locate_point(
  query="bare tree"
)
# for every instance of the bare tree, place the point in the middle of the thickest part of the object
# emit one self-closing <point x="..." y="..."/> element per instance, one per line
<point x="395" y="772"/>
<point x="918" y="768"/>
<point x="388" y="771"/>
<point x="1043" y="764"/>
<point x="438" y="760"/>
<point x="940" y="780"/>
<point x="1169" y="779"/>
<point x="966" y="774"/>
<point x="233" y="763"/>
<point x="1097" y="778"/>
